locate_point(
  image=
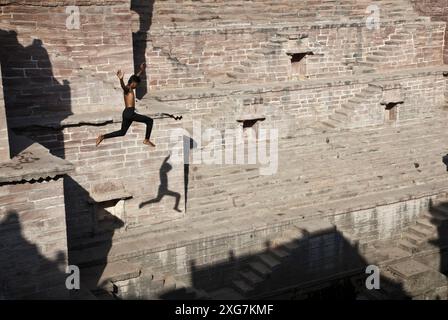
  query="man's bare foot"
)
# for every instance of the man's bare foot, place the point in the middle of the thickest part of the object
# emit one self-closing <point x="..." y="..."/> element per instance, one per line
<point x="149" y="143"/>
<point x="99" y="140"/>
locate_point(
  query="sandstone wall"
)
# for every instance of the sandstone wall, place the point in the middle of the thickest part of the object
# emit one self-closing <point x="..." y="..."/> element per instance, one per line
<point x="34" y="253"/>
<point x="294" y="107"/>
<point x="50" y="67"/>
<point x="67" y="72"/>
<point x="4" y="141"/>
<point x="122" y="168"/>
<point x="438" y="10"/>
<point x="198" y="58"/>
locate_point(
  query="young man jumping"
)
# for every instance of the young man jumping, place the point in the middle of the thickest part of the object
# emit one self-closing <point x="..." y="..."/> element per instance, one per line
<point x="129" y="114"/>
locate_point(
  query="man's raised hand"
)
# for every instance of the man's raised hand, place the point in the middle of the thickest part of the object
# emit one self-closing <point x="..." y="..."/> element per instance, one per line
<point x="120" y="74"/>
<point x="142" y="66"/>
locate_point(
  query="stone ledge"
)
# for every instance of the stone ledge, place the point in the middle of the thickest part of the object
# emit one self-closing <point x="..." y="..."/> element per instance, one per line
<point x="108" y="191"/>
<point x="155" y="105"/>
<point x="34" y="163"/>
<point x="150" y="107"/>
<point x="58" y="3"/>
<point x="225" y="90"/>
<point x="234" y="27"/>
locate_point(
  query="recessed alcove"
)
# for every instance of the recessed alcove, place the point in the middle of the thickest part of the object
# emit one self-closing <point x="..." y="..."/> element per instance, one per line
<point x="298" y="64"/>
<point x="249" y="121"/>
<point x="391" y="109"/>
<point x="108" y="202"/>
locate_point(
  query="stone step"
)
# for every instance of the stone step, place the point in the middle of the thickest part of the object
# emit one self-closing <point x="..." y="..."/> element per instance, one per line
<point x="279" y="253"/>
<point x="422" y="232"/>
<point x="252" y="278"/>
<point x="340" y="116"/>
<point x="291" y="245"/>
<point x="242" y="287"/>
<point x="409" y="269"/>
<point x="427" y="225"/>
<point x="365" y="177"/>
<point x="103" y="276"/>
<point x="407" y="246"/>
<point x="248" y="174"/>
<point x="329" y="192"/>
<point x="413" y="239"/>
<point x="269" y="260"/>
<point x="260" y="269"/>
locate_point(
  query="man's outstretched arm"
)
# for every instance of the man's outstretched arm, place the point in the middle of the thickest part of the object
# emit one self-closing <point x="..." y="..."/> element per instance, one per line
<point x="120" y="76"/>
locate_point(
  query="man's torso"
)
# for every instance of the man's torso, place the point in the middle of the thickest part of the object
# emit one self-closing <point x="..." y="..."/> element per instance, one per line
<point x="129" y="99"/>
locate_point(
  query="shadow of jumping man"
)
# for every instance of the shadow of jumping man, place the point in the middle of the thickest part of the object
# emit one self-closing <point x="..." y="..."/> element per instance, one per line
<point x="163" y="187"/>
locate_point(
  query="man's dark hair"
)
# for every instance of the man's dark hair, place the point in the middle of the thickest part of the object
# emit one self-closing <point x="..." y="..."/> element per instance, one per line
<point x="134" y="78"/>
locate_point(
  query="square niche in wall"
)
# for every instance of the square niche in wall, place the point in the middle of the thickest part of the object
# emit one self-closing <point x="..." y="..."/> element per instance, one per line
<point x="392" y="111"/>
<point x="298" y="64"/>
<point x="109" y="206"/>
<point x="392" y="99"/>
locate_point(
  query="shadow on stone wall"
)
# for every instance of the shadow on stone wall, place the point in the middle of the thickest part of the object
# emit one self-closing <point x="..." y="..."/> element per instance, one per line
<point x="24" y="269"/>
<point x="189" y="145"/>
<point x="164" y="190"/>
<point x="32" y="93"/>
<point x="439" y="219"/>
<point x="144" y="8"/>
<point x="316" y="267"/>
<point x="36" y="104"/>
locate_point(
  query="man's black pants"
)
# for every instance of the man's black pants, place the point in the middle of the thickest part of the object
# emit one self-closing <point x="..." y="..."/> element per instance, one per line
<point x="129" y="116"/>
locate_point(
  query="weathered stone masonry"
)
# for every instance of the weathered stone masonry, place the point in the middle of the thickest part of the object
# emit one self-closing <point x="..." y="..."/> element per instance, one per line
<point x="4" y="142"/>
<point x="310" y="69"/>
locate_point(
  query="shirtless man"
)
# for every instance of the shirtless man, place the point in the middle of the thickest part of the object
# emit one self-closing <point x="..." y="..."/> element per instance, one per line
<point x="129" y="114"/>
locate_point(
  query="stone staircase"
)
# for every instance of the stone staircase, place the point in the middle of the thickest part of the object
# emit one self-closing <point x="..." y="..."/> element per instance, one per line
<point x="385" y="160"/>
<point x="404" y="280"/>
<point x="415" y="239"/>
<point x="254" y="273"/>
<point x="403" y="49"/>
<point x="340" y="119"/>
<point x="406" y="275"/>
<point x="403" y="276"/>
